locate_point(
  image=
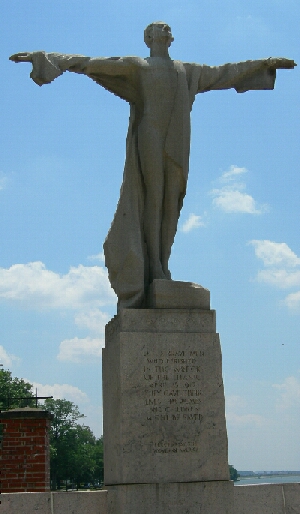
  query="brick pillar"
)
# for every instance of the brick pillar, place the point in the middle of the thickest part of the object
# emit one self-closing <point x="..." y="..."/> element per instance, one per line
<point x="24" y="450"/>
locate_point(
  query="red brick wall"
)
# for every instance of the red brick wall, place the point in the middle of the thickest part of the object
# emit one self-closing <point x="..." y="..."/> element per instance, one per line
<point x="25" y="452"/>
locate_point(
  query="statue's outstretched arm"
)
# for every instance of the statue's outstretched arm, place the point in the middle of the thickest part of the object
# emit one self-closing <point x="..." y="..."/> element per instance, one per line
<point x="48" y="66"/>
<point x="243" y="76"/>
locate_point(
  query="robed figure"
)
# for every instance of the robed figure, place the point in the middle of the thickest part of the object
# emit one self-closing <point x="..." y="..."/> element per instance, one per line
<point x="161" y="92"/>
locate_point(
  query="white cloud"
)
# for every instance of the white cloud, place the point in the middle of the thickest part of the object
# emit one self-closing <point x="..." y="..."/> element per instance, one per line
<point x="78" y="350"/>
<point x="98" y="257"/>
<point x="235" y="418"/>
<point x="5" y="358"/>
<point x="36" y="286"/>
<point x="94" y="418"/>
<point x="92" y="413"/>
<point x="292" y="301"/>
<point x="234" y="402"/>
<point x="232" y="173"/>
<point x="60" y="391"/>
<point x="3" y="181"/>
<point x="95" y="320"/>
<point x="232" y="197"/>
<point x="289" y="393"/>
<point x="266" y="425"/>
<point x="243" y="420"/>
<point x="273" y="253"/>
<point x="83" y="289"/>
<point x="192" y="222"/>
<point x="280" y="262"/>
<point x="231" y="200"/>
<point x="279" y="277"/>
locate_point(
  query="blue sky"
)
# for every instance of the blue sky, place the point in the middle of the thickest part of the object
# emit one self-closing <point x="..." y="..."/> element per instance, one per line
<point x="61" y="165"/>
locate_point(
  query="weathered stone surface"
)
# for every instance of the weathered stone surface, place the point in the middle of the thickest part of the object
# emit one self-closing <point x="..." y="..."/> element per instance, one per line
<point x="25" y="503"/>
<point x="163" y="403"/>
<point x="162" y="320"/>
<point x="291" y="494"/>
<point x="259" y="499"/>
<point x="250" y="499"/>
<point x="191" y="498"/>
<point x="75" y="502"/>
<point x="161" y="92"/>
<point x="83" y="502"/>
<point x="171" y="294"/>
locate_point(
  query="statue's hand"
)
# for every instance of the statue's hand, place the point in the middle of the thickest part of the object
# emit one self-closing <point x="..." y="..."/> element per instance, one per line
<point x="21" y="57"/>
<point x="280" y="63"/>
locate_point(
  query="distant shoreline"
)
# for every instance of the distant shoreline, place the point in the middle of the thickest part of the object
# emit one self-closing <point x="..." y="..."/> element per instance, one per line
<point x="268" y="479"/>
<point x="257" y="474"/>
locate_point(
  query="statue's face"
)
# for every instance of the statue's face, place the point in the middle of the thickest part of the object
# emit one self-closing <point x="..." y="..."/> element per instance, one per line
<point x="162" y="32"/>
<point x="158" y="32"/>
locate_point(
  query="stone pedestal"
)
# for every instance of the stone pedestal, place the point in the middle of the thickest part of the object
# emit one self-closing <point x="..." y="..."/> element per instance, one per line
<point x="165" y="439"/>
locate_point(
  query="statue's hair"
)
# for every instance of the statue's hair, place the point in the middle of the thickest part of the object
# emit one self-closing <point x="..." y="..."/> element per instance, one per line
<point x="148" y="32"/>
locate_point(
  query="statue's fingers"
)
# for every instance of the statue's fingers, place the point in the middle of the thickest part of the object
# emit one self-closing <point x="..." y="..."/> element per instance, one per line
<point x="21" y="56"/>
<point x="14" y="58"/>
<point x="289" y="63"/>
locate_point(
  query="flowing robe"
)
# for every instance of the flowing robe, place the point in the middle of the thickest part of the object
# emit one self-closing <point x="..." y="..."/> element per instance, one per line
<point x="125" y="248"/>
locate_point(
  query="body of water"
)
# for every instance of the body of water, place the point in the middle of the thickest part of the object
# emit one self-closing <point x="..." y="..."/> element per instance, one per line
<point x="284" y="479"/>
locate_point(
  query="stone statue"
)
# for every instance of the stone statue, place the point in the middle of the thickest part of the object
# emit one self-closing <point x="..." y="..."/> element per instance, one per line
<point x="161" y="93"/>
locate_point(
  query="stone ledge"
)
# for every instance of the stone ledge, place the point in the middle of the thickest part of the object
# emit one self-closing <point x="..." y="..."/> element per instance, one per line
<point x="267" y="499"/>
<point x="172" y="498"/>
<point x="24" y="413"/>
<point x="163" y="320"/>
<point x="77" y="502"/>
<point x="248" y="499"/>
<point x="172" y="294"/>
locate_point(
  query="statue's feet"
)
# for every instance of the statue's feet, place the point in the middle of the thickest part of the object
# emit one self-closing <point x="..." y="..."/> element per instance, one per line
<point x="166" y="271"/>
<point x="168" y="275"/>
<point x="156" y="273"/>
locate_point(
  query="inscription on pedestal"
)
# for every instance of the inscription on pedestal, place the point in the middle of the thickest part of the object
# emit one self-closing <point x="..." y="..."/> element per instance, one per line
<point x="168" y="386"/>
<point x="169" y="420"/>
<point x="172" y="392"/>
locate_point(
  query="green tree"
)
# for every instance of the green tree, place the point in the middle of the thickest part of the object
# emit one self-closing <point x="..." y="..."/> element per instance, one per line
<point x="99" y="470"/>
<point x="75" y="453"/>
<point x="62" y="432"/>
<point x="11" y="388"/>
<point x="233" y="473"/>
<point x="82" y="458"/>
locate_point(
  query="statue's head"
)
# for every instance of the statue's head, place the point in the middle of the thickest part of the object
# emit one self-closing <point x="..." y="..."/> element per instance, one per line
<point x="158" y="31"/>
